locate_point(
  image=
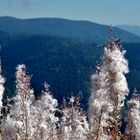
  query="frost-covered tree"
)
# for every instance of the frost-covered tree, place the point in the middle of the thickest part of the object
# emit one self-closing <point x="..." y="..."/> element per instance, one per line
<point x="43" y="116"/>
<point x="117" y="85"/>
<point x="99" y="105"/>
<point x="2" y="81"/>
<point x="133" y="128"/>
<point x="17" y="125"/>
<point x="108" y="93"/>
<point x="30" y="119"/>
<point x="74" y="125"/>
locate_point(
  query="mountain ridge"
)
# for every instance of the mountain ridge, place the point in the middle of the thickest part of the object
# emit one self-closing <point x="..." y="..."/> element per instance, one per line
<point x="130" y="28"/>
<point x="82" y="30"/>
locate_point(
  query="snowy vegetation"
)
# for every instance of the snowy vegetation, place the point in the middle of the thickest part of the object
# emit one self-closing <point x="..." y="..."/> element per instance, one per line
<point x="27" y="117"/>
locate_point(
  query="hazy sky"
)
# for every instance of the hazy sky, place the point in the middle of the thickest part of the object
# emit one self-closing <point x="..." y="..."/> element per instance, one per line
<point x="100" y="11"/>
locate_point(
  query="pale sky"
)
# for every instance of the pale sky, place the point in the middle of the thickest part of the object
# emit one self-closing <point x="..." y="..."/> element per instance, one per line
<point x="101" y="11"/>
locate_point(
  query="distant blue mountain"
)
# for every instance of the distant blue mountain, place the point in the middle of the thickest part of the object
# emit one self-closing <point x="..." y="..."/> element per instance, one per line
<point x="82" y="30"/>
<point x="130" y="28"/>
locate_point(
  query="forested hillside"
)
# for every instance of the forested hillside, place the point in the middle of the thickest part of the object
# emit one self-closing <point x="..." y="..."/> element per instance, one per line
<point x="59" y="61"/>
<point x="66" y="64"/>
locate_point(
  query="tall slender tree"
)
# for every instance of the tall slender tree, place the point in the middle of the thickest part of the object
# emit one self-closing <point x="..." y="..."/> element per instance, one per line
<point x="17" y="124"/>
<point x="109" y="92"/>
